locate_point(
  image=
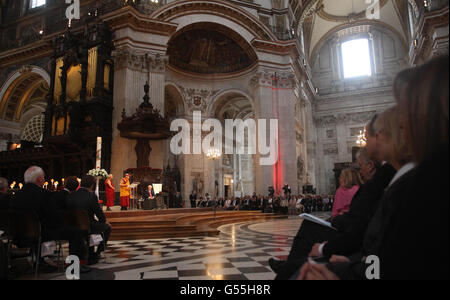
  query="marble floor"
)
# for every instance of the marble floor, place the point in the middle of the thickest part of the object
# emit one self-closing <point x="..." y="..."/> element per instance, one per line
<point x="240" y="252"/>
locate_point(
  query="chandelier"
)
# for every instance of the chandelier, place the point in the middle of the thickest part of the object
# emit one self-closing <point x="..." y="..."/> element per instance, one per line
<point x="213" y="154"/>
<point x="361" y="141"/>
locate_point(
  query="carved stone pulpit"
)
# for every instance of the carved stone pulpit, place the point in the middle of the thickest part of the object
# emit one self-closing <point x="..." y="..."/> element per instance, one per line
<point x="145" y="125"/>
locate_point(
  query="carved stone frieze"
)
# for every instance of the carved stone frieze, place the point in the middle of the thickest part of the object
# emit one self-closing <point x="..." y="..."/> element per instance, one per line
<point x="348" y="119"/>
<point x="136" y="60"/>
<point x="274" y="79"/>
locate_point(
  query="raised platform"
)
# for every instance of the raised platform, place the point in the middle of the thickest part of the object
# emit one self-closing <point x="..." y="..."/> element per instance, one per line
<point x="135" y="225"/>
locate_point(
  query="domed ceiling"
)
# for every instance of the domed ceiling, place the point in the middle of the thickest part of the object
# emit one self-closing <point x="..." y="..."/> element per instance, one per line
<point x="210" y="49"/>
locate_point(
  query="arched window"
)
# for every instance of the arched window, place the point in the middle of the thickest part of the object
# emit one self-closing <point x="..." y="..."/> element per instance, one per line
<point x="356" y="58"/>
<point x="34" y="130"/>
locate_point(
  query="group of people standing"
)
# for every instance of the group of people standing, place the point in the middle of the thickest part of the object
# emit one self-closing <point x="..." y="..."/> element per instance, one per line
<point x="125" y="192"/>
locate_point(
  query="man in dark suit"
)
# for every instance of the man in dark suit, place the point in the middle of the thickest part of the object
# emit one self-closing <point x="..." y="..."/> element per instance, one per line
<point x="85" y="199"/>
<point x="149" y="195"/>
<point x="5" y="198"/>
<point x="32" y="197"/>
<point x="58" y="201"/>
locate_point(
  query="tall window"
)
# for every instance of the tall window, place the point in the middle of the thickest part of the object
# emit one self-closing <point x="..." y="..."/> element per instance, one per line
<point x="411" y="19"/>
<point x="37" y="3"/>
<point x="356" y="58"/>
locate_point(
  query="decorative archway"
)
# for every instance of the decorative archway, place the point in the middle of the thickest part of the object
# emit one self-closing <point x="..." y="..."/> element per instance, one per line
<point x="210" y="48"/>
<point x="173" y="102"/>
<point x="25" y="89"/>
<point x="221" y="99"/>
<point x="219" y="11"/>
<point x="237" y="172"/>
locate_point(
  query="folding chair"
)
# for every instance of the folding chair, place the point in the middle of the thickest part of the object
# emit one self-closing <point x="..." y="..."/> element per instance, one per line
<point x="27" y="234"/>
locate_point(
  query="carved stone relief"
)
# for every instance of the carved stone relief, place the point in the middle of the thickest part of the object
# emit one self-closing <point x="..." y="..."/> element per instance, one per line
<point x="197" y="99"/>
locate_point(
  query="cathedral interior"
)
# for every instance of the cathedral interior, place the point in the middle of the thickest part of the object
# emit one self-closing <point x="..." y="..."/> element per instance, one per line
<point x="63" y="83"/>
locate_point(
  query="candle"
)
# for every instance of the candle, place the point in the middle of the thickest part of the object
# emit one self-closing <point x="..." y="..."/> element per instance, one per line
<point x="99" y="153"/>
<point x="46" y="185"/>
<point x="20" y="185"/>
<point x="56" y="185"/>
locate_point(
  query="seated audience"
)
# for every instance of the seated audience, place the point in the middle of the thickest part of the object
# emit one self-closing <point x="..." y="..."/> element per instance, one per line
<point x="85" y="199"/>
<point x="350" y="226"/>
<point x="422" y="94"/>
<point x="32" y="197"/>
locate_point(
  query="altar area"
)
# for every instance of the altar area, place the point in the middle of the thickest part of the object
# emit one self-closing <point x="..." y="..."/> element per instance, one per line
<point x="169" y="223"/>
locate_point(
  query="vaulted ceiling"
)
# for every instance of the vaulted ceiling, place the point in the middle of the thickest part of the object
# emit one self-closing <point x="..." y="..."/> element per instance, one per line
<point x="322" y="17"/>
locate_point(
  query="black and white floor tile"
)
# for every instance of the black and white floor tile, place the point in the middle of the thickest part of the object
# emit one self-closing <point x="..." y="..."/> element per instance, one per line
<point x="240" y="252"/>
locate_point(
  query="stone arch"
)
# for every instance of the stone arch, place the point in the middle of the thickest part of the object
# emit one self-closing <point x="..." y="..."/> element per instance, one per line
<point x="377" y="24"/>
<point x="237" y="171"/>
<point x="223" y="97"/>
<point x="217" y="11"/>
<point x="173" y="101"/>
<point x="210" y="48"/>
<point x="26" y="89"/>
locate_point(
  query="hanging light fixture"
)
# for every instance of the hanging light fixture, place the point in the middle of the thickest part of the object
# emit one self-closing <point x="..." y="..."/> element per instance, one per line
<point x="361" y="141"/>
<point x="213" y="154"/>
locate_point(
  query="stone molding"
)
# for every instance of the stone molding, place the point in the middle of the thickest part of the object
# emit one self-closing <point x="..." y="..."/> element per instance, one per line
<point x="274" y="79"/>
<point x="140" y="61"/>
<point x="347" y="118"/>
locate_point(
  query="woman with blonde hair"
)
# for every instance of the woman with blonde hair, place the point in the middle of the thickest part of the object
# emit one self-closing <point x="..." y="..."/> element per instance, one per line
<point x="349" y="182"/>
<point x="391" y="143"/>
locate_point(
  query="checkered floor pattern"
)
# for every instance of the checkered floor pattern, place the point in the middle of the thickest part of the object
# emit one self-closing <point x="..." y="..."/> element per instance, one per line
<point x="240" y="252"/>
<point x="236" y="254"/>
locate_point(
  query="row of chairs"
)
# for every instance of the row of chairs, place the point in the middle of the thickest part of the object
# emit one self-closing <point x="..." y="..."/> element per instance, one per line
<point x="23" y="229"/>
